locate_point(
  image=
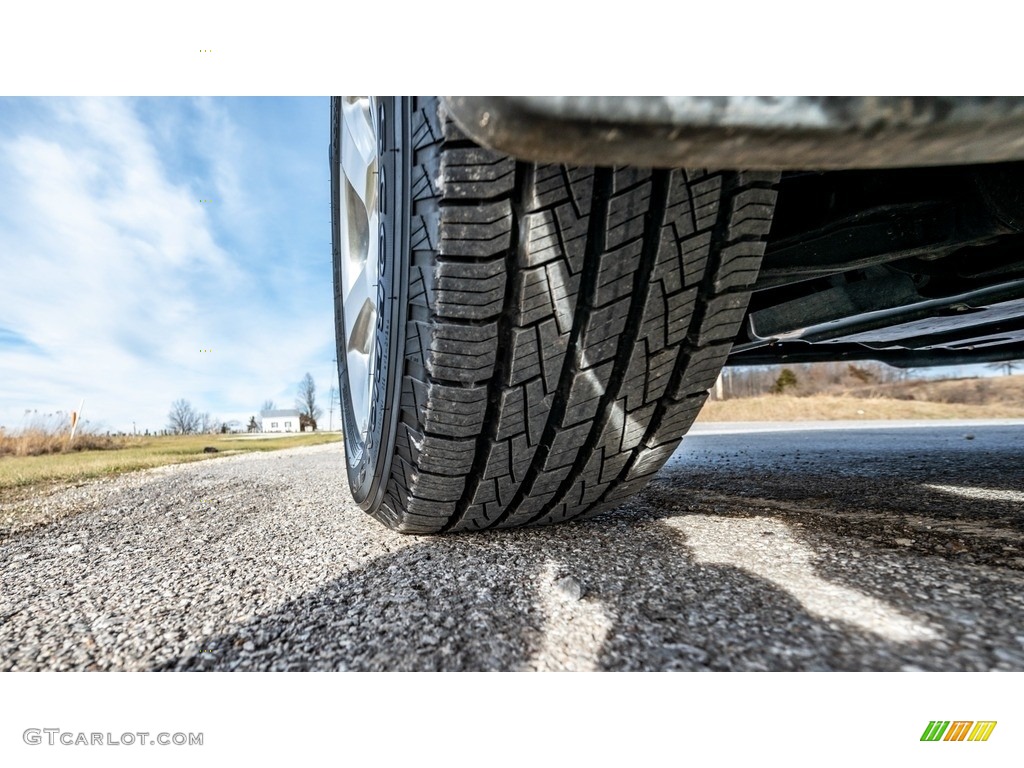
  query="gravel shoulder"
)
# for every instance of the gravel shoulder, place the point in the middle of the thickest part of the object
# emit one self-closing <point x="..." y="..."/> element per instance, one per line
<point x="787" y="550"/>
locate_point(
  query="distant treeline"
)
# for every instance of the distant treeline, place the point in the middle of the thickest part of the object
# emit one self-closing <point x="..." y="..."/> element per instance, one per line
<point x="809" y="378"/>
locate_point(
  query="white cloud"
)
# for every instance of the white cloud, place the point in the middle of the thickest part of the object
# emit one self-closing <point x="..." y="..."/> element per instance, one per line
<point x="114" y="274"/>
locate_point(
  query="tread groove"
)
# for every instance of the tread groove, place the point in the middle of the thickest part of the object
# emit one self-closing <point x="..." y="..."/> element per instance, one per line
<point x="653" y="222"/>
<point x="588" y="282"/>
<point x="502" y="368"/>
<point x="686" y="351"/>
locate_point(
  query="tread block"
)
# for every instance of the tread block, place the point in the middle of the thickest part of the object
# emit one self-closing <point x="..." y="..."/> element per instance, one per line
<point x="424" y="180"/>
<point x="476" y="173"/>
<point x="567" y="440"/>
<point x="694" y="254"/>
<point x="676" y="418"/>
<point x="744" y="262"/>
<point x="667" y="270"/>
<point x="497" y="467"/>
<point x="468" y="290"/>
<point x="635" y="379"/>
<point x="463" y="353"/>
<point x="750" y="205"/>
<point x="525" y="356"/>
<point x="438" y="455"/>
<point x="635" y="427"/>
<point x="572" y="236"/>
<point x="615" y="277"/>
<point x="660" y="365"/>
<point x="522" y="456"/>
<point x="439" y="487"/>
<point x="538" y="404"/>
<point x="706" y="196"/>
<point x="679" y="206"/>
<point x="580" y="184"/>
<point x="601" y="337"/>
<point x="652" y="324"/>
<point x="679" y="308"/>
<point x="535" y="302"/>
<point x="423" y="233"/>
<point x="553" y="345"/>
<point x="476" y="230"/>
<point x="626" y="216"/>
<point x="585" y="394"/>
<point x="649" y="461"/>
<point x="564" y="288"/>
<point x="627" y="177"/>
<point x="723" y="315"/>
<point x="512" y="413"/>
<point x="450" y="411"/>
<point x="702" y="369"/>
<point x="424" y="131"/>
<point x="549" y="188"/>
<point x="543" y="243"/>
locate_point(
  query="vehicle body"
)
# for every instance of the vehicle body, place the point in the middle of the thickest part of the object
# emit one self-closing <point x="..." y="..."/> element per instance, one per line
<point x="560" y="280"/>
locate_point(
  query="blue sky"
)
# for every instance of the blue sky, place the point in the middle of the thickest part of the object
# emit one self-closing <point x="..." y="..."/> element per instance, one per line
<point x="114" y="275"/>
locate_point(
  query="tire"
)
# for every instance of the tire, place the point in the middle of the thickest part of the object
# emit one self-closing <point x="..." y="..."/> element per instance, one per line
<point x="546" y="334"/>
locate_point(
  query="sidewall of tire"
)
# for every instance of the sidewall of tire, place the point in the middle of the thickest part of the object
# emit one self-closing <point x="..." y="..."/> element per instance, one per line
<point x="368" y="461"/>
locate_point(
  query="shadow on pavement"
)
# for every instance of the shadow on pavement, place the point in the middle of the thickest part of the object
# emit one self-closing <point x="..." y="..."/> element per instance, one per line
<point x="752" y="571"/>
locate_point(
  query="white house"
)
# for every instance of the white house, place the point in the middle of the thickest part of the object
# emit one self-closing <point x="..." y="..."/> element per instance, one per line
<point x="279" y="421"/>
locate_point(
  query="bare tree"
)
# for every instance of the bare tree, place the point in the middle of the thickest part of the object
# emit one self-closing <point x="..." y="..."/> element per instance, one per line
<point x="306" y="401"/>
<point x="268" y="405"/>
<point x="253" y="426"/>
<point x="208" y="423"/>
<point x="1007" y="366"/>
<point x="182" y="419"/>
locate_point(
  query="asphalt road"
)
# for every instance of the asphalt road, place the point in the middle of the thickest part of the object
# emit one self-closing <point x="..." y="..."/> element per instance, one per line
<point x="875" y="548"/>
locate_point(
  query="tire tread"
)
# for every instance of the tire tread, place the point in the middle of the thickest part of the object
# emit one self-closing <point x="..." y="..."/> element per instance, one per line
<point x="568" y="323"/>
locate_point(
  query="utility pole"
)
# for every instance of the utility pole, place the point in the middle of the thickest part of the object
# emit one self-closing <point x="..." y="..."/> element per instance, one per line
<point x="330" y="425"/>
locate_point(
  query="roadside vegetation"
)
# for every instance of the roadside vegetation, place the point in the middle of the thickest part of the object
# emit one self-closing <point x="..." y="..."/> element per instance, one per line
<point x="836" y="407"/>
<point x="868" y="391"/>
<point x="51" y="433"/>
<point x="43" y="453"/>
<point x="23" y="472"/>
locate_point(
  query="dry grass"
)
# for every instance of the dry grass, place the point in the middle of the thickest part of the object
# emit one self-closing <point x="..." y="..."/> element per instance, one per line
<point x="39" y="442"/>
<point x="830" y="407"/>
<point x="994" y="390"/>
<point x="23" y="474"/>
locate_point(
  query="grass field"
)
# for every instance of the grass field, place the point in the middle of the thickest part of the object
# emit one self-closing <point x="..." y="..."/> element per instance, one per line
<point x="994" y="398"/>
<point x="25" y="474"/>
<point x="832" y="407"/>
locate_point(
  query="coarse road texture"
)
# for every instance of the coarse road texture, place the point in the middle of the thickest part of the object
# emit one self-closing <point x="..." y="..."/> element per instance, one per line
<point x="801" y="549"/>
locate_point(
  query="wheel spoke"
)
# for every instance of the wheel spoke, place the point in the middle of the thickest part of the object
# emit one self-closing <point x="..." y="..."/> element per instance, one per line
<point x="370" y="187"/>
<point x="356" y="223"/>
<point x="359" y="370"/>
<point x="360" y="313"/>
<point x="359" y="222"/>
<point x="359" y="151"/>
<point x="359" y="122"/>
<point x="360" y="339"/>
